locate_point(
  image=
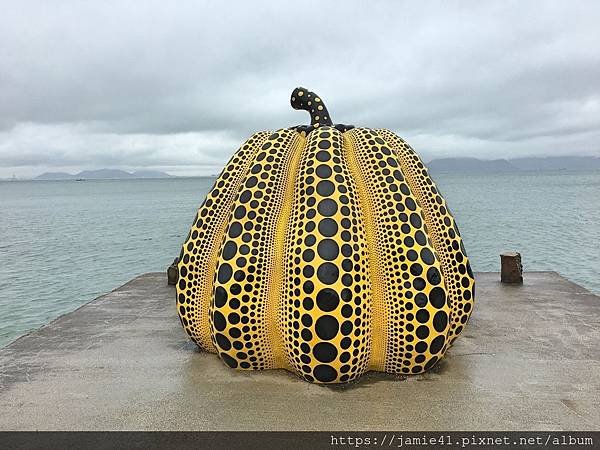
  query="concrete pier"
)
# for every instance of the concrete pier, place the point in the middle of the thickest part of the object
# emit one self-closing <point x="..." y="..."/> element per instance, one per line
<point x="528" y="360"/>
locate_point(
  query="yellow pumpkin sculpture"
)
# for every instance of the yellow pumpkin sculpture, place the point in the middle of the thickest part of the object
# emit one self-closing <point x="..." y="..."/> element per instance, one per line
<point x="326" y="250"/>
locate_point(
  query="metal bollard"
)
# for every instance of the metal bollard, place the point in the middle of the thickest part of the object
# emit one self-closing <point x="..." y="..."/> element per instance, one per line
<point x="511" y="268"/>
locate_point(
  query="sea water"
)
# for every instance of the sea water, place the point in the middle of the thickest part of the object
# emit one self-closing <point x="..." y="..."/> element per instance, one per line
<point x="63" y="243"/>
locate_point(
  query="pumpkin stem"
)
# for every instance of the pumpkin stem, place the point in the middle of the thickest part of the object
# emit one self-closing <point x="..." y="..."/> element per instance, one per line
<point x="304" y="99"/>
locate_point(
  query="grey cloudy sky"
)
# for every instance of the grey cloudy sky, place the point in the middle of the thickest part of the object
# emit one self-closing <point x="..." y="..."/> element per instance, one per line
<point x="179" y="85"/>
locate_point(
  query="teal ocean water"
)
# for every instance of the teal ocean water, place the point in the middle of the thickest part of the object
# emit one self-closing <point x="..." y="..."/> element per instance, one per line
<point x="63" y="243"/>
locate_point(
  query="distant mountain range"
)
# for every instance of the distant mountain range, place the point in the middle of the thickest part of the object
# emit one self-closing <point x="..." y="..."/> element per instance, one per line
<point x="102" y="174"/>
<point x="440" y="165"/>
<point x="514" y="165"/>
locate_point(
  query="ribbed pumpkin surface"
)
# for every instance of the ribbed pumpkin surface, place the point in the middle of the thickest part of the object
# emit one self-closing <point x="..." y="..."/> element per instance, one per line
<point x="327" y="254"/>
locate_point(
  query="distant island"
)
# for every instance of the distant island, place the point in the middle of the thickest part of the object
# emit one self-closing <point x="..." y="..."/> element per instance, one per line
<point x="103" y="174"/>
<point x="474" y="165"/>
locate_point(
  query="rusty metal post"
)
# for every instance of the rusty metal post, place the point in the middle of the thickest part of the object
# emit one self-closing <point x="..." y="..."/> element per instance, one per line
<point x="511" y="268"/>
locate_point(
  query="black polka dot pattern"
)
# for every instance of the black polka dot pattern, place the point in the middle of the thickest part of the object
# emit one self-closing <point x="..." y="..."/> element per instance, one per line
<point x="404" y="255"/>
<point x="325" y="312"/>
<point x="444" y="234"/>
<point x="198" y="256"/>
<point x="245" y="269"/>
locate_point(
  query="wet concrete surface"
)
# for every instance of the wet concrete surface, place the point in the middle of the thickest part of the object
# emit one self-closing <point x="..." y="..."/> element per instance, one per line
<point x="528" y="360"/>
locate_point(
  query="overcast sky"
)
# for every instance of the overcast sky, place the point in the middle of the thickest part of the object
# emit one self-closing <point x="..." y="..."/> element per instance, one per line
<point x="177" y="86"/>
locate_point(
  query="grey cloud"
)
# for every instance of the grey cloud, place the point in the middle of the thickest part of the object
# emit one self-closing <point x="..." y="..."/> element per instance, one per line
<point x="90" y="84"/>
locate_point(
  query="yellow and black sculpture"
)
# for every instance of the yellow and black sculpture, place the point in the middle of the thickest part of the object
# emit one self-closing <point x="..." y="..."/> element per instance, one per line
<point x="326" y="250"/>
